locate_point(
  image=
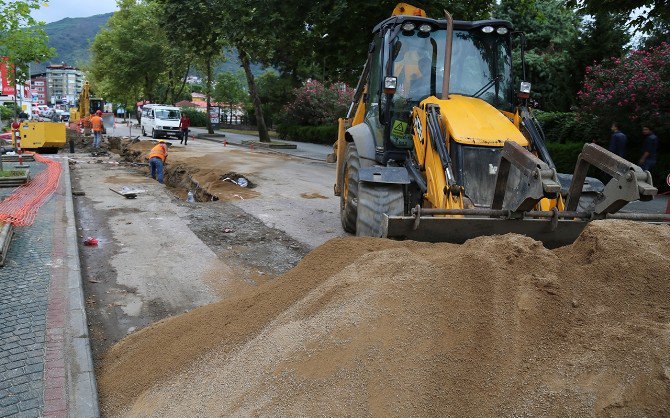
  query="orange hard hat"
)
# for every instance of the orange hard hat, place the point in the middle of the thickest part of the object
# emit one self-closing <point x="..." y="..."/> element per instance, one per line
<point x="98" y="112"/>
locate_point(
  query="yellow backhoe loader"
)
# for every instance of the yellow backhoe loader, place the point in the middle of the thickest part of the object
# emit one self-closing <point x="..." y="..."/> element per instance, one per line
<point x="86" y="106"/>
<point x="434" y="155"/>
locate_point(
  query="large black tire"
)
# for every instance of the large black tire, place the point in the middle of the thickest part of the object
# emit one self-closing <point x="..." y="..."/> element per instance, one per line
<point x="375" y="200"/>
<point x="349" y="195"/>
<point x="153" y="134"/>
<point x="144" y="133"/>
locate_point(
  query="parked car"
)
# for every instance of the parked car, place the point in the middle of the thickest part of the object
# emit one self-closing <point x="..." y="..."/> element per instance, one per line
<point x="161" y="121"/>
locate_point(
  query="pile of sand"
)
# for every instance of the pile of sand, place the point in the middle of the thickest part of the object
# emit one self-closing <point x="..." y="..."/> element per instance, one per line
<point x="497" y="326"/>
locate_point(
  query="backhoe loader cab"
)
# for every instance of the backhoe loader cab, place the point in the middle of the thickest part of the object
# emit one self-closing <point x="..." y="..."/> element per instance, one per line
<point x="439" y="146"/>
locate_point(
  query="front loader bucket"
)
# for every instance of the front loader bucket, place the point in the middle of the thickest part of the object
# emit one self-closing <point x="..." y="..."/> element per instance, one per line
<point x="552" y="233"/>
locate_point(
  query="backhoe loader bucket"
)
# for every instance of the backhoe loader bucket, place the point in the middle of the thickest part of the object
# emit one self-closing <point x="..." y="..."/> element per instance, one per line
<point x="551" y="232"/>
<point x="536" y="181"/>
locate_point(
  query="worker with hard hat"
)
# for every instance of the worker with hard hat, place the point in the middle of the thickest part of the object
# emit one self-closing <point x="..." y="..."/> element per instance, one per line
<point x="157" y="158"/>
<point x="98" y="127"/>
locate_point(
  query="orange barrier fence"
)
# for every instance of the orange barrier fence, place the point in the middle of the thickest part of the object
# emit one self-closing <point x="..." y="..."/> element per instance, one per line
<point x="21" y="207"/>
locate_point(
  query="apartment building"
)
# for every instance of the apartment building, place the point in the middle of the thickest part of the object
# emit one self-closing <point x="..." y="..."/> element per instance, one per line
<point x="64" y="83"/>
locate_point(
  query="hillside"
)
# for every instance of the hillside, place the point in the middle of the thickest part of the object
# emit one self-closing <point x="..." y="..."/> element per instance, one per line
<point x="71" y="37"/>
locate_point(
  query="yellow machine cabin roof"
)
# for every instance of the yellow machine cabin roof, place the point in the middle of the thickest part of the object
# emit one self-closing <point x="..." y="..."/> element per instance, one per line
<point x="473" y="121"/>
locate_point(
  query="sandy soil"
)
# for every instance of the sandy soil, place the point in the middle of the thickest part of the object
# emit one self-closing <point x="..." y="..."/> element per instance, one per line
<point x="160" y="256"/>
<point x="364" y="327"/>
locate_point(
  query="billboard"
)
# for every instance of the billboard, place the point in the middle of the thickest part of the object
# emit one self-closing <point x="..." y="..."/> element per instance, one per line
<point x="5" y="74"/>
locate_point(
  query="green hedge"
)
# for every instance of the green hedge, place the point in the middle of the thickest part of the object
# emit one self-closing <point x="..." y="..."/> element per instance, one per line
<point x="569" y="127"/>
<point x="198" y="118"/>
<point x="565" y="157"/>
<point x="324" y="134"/>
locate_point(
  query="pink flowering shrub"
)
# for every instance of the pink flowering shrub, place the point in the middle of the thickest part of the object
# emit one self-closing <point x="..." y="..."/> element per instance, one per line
<point x="634" y="88"/>
<point x="313" y="104"/>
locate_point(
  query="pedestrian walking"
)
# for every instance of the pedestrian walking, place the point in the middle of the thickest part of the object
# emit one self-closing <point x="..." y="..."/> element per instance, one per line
<point x="157" y="158"/>
<point x="618" y="141"/>
<point x="184" y="124"/>
<point x="649" y="148"/>
<point x="97" y="126"/>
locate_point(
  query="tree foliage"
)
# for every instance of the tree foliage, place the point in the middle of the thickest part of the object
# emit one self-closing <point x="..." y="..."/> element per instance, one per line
<point x="650" y="11"/>
<point x="552" y="33"/>
<point x="22" y="39"/>
<point x="230" y="89"/>
<point x="327" y="39"/>
<point x="197" y="26"/>
<point x="133" y="59"/>
<point x="560" y="44"/>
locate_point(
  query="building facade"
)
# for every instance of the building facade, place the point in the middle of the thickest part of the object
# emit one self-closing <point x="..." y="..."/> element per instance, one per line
<point x="39" y="89"/>
<point x="64" y="83"/>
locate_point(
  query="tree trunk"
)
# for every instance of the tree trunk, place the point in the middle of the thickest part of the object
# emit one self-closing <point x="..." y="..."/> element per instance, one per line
<point x="210" y="129"/>
<point x="168" y="88"/>
<point x="183" y="83"/>
<point x="260" y="121"/>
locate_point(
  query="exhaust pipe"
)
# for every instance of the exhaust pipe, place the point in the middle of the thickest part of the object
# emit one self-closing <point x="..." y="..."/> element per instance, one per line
<point x="447" y="55"/>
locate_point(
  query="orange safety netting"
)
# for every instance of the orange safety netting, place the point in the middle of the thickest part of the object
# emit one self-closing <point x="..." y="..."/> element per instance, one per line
<point x="21" y="207"/>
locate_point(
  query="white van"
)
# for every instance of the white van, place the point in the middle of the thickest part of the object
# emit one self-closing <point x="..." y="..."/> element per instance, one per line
<point x="160" y="121"/>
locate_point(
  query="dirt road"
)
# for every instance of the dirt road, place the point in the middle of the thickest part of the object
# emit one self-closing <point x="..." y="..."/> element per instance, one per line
<point x="159" y="255"/>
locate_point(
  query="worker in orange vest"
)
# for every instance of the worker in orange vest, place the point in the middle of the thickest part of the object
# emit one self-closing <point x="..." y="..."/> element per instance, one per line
<point x="97" y="126"/>
<point x="157" y="157"/>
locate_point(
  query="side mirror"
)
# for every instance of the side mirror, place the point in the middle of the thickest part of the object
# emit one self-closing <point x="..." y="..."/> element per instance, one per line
<point x="524" y="90"/>
<point x="390" y="85"/>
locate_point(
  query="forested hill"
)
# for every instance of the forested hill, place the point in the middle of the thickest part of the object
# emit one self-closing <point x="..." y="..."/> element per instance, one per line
<point x="71" y="37"/>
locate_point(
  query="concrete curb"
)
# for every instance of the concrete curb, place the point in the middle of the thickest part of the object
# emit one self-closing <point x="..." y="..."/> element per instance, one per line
<point x="277" y="151"/>
<point x="82" y="389"/>
<point x="6" y="232"/>
<point x="273" y="145"/>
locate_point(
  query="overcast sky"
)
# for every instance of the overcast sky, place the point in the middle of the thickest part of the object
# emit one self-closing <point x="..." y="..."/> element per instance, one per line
<point x="60" y="9"/>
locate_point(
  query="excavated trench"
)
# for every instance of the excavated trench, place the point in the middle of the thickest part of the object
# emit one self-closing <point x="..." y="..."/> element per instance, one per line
<point x="181" y="178"/>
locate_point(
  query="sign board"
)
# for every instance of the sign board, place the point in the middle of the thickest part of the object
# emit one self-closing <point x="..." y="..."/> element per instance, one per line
<point x="214" y="115"/>
<point x="5" y="74"/>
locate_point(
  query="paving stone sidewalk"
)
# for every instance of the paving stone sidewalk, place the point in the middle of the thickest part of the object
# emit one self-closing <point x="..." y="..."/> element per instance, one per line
<point x="45" y="363"/>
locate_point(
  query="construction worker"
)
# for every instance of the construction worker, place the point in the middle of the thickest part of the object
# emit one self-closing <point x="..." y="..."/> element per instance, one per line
<point x="98" y="127"/>
<point x="157" y="158"/>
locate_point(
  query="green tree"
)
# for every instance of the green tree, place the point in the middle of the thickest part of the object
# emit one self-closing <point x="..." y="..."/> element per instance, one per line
<point x="649" y="13"/>
<point x="23" y="46"/>
<point x="127" y="64"/>
<point x="328" y="40"/>
<point x="230" y="89"/>
<point x="198" y="26"/>
<point x="22" y="40"/>
<point x="15" y="14"/>
<point x="552" y="33"/>
<point x="603" y="35"/>
<point x="275" y="90"/>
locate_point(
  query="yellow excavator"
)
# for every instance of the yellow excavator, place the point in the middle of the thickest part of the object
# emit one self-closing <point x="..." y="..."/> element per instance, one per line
<point x="86" y="106"/>
<point x="441" y="155"/>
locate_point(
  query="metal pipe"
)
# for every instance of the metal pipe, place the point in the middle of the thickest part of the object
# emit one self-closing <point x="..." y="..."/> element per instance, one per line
<point x="650" y="217"/>
<point x="447" y="55"/>
<point x="501" y="213"/>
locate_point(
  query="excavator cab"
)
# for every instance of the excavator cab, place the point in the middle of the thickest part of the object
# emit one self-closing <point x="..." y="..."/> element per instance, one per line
<point x="438" y="144"/>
